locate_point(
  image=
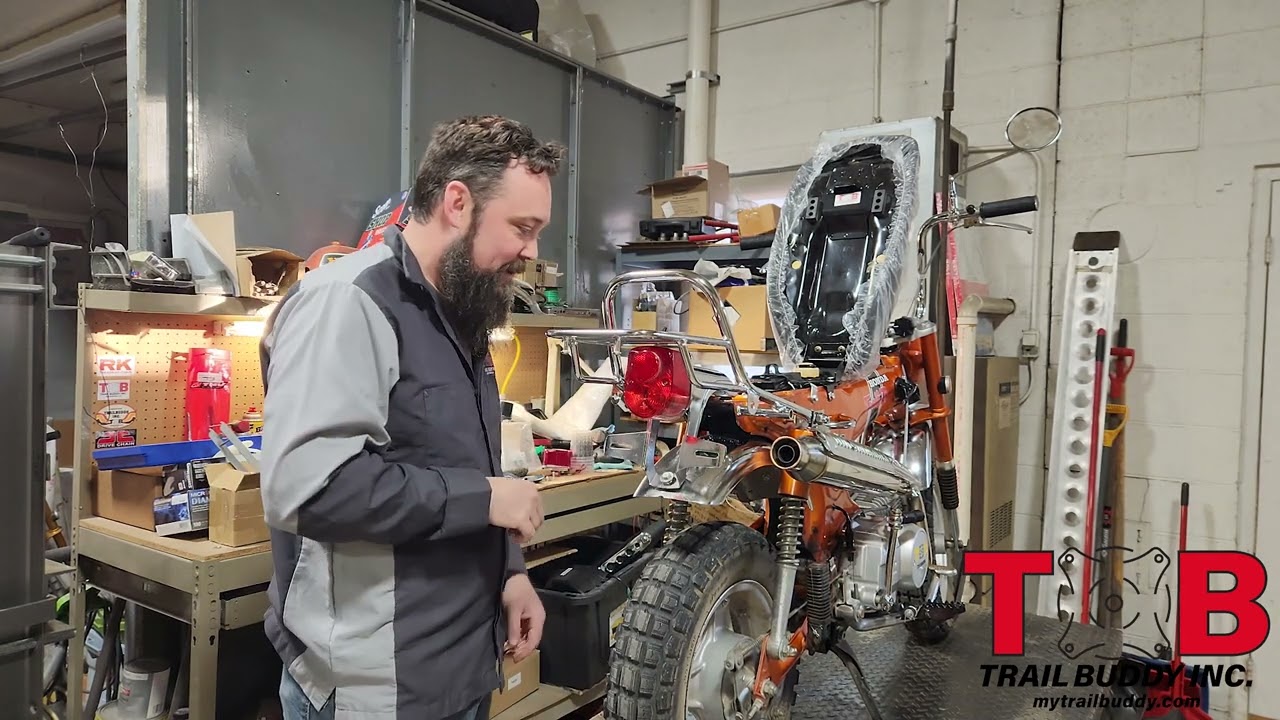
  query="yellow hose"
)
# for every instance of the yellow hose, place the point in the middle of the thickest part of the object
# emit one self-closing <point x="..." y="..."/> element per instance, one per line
<point x="502" y="390"/>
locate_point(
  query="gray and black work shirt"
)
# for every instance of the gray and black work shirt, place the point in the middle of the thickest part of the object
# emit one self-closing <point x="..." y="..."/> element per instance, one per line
<point x="379" y="433"/>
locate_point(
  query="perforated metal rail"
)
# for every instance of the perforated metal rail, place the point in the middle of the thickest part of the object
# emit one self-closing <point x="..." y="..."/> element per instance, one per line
<point x="1070" y="492"/>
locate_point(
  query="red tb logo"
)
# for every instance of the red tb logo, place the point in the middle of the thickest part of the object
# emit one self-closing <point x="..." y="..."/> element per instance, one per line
<point x="1198" y="603"/>
<point x="1008" y="570"/>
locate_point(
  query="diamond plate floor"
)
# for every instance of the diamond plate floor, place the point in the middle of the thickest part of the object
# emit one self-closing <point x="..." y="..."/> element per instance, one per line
<point x="945" y="682"/>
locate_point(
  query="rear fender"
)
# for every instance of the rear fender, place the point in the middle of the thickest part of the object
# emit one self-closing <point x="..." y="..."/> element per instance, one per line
<point x="702" y="473"/>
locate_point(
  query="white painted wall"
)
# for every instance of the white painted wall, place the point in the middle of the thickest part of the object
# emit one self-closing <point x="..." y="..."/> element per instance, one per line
<point x="784" y="81"/>
<point x="1168" y="104"/>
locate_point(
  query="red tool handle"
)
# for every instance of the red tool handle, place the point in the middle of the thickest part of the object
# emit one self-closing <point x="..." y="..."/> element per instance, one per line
<point x="1182" y="547"/>
<point x="1123" y="365"/>
<point x="709" y="237"/>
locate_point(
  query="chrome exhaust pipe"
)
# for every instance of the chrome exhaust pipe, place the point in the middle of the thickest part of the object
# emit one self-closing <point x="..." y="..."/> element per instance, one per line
<point x="832" y="460"/>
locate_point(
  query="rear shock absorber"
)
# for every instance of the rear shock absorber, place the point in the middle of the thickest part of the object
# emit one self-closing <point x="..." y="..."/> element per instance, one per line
<point x="679" y="518"/>
<point x="819" y="606"/>
<point x="948" y="486"/>
<point x="790" y="524"/>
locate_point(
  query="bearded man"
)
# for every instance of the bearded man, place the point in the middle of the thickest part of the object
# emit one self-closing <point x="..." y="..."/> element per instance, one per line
<point x="395" y="538"/>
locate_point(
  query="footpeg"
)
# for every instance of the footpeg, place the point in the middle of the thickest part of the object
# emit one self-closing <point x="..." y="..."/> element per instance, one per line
<point x="938" y="611"/>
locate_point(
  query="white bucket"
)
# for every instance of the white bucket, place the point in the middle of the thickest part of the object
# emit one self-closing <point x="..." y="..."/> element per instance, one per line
<point x="143" y="685"/>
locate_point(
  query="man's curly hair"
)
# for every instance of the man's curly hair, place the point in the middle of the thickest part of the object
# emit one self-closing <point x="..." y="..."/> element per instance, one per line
<point x="476" y="150"/>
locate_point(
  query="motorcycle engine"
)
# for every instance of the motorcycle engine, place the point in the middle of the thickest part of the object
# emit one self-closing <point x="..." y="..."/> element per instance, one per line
<point x="884" y="563"/>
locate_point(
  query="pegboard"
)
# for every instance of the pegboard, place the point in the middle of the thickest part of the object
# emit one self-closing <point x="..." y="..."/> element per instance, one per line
<point x="529" y="381"/>
<point x="155" y="400"/>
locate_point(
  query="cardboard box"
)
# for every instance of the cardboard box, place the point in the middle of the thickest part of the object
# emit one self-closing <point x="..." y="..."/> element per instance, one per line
<point x="699" y="190"/>
<point x="549" y="276"/>
<point x="521" y="680"/>
<point x="752" y="332"/>
<point x="280" y="267"/>
<point x="128" y="496"/>
<point x="541" y="273"/>
<point x="758" y="221"/>
<point x="235" y="506"/>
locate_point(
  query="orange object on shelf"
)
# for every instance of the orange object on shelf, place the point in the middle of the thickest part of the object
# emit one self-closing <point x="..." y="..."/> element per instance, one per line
<point x="328" y="254"/>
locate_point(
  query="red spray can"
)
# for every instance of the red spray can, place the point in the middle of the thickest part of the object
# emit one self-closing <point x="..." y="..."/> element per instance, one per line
<point x="208" y="391"/>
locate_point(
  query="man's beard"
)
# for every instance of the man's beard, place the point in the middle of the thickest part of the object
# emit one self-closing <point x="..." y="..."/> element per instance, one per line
<point x="476" y="301"/>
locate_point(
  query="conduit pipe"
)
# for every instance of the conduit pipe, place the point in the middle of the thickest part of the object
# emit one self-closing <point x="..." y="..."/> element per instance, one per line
<point x="697" y="84"/>
<point x="731" y="26"/>
<point x="966" y="369"/>
<point x="877" y="52"/>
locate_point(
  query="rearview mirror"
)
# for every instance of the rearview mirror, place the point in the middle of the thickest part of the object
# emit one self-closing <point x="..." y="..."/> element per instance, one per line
<point x="1033" y="129"/>
<point x="1029" y="130"/>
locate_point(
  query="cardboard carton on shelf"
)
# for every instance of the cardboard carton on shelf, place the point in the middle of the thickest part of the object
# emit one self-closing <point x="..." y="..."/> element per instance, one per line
<point x="281" y="268"/>
<point x="698" y="190"/>
<point x="128" y="496"/>
<point x="753" y="222"/>
<point x="236" y="516"/>
<point x="207" y="241"/>
<point x="752" y="331"/>
<point x="521" y="680"/>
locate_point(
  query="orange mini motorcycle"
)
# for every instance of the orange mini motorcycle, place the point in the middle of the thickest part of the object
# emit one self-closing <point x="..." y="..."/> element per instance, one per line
<point x="848" y="458"/>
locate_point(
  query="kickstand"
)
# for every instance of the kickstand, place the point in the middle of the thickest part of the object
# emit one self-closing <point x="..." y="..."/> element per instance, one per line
<point x="845" y="653"/>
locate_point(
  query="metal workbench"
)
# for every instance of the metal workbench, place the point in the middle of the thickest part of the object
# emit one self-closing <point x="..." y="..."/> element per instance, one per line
<point x="911" y="681"/>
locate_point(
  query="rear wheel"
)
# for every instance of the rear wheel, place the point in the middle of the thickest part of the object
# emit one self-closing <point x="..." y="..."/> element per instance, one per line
<point x="691" y="633"/>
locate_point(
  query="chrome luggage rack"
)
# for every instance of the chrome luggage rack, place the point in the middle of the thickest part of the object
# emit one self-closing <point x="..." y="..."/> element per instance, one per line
<point x="620" y="341"/>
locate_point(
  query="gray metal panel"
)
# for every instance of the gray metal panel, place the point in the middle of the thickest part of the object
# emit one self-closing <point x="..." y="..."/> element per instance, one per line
<point x="157" y="127"/>
<point x="626" y="143"/>
<point x="459" y="71"/>
<point x="22" y="360"/>
<point x="295" y="122"/>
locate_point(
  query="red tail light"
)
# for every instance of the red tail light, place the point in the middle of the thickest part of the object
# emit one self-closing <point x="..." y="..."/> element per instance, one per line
<point x="656" y="386"/>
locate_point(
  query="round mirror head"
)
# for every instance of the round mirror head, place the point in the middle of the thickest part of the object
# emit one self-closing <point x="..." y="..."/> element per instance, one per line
<point x="1033" y="129"/>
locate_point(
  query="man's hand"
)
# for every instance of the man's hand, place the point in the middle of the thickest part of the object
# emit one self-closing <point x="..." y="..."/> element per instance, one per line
<point x="515" y="504"/>
<point x="525" y="617"/>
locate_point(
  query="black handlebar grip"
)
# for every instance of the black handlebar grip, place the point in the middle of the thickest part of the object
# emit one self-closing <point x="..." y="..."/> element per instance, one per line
<point x="35" y="237"/>
<point x="759" y="242"/>
<point x="1012" y="206"/>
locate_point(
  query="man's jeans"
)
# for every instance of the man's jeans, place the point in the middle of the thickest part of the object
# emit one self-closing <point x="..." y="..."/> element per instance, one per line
<point x="296" y="706"/>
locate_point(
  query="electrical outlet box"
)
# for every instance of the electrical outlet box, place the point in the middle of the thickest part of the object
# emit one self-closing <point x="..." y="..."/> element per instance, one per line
<point x="1029" y="347"/>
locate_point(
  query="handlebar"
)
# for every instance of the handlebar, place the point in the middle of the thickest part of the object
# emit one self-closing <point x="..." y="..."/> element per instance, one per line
<point x="35" y="237"/>
<point x="1012" y="206"/>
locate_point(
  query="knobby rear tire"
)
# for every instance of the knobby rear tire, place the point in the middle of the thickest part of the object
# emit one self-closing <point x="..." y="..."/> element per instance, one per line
<point x="652" y="653"/>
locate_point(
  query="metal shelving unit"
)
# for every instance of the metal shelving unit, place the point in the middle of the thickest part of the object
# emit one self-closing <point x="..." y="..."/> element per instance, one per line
<point x="670" y="254"/>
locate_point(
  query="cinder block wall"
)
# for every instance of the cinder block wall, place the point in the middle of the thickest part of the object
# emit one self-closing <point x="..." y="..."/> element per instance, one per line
<point x="1169" y="105"/>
